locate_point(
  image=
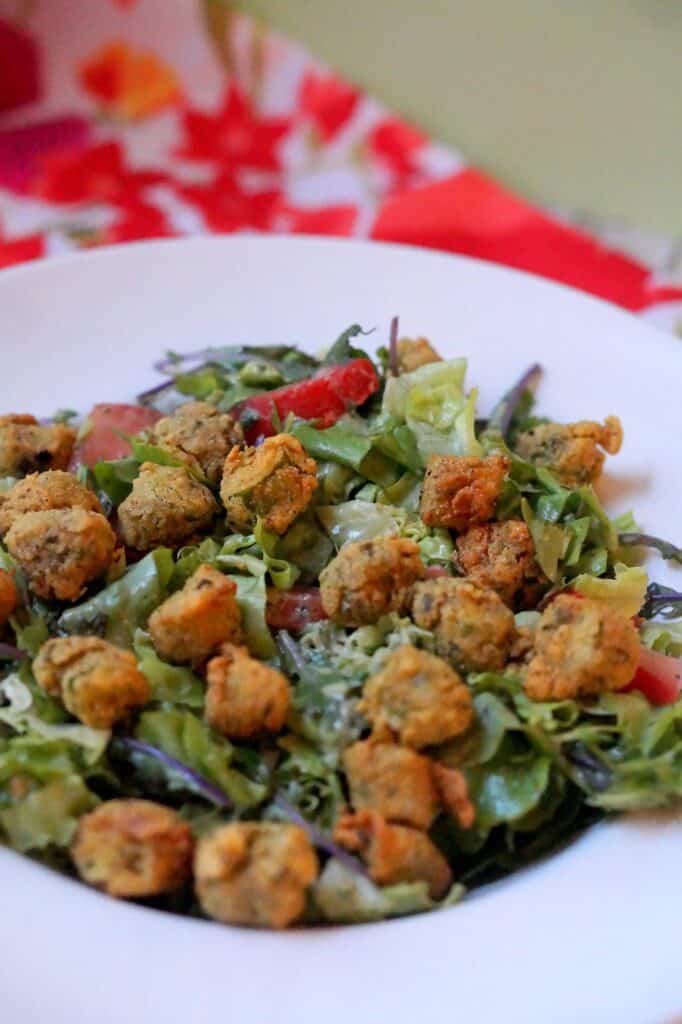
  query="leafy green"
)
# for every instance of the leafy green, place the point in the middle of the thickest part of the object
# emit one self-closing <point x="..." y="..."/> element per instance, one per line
<point x="665" y="637"/>
<point x="115" y="478"/>
<point x="505" y="790"/>
<point x="47" y="816"/>
<point x="347" y="897"/>
<point x="308" y="782"/>
<point x="117" y="611"/>
<point x="182" y="735"/>
<point x="431" y="401"/>
<point x="170" y="684"/>
<point x="342" y="350"/>
<point x="624" y="594"/>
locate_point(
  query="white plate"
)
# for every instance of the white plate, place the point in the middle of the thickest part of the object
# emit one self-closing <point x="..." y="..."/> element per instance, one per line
<point x="589" y="935"/>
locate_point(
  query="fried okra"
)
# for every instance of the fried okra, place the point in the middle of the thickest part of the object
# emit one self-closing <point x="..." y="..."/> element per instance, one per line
<point x="415" y="352"/>
<point x="575" y="452"/>
<point x="60" y="551"/>
<point x="461" y="491"/>
<point x="369" y="578"/>
<point x="274" y="482"/>
<point x="501" y="556"/>
<point x="394" y="853"/>
<point x="133" y="848"/>
<point x="100" y="684"/>
<point x="202" y="432"/>
<point x="255" y="874"/>
<point x="582" y="648"/>
<point x="167" y="506"/>
<point x="41" y="492"/>
<point x="245" y="697"/>
<point x="9" y="595"/>
<point x="394" y="781"/>
<point x="473" y="627"/>
<point x="27" y="446"/>
<point x="416" y="699"/>
<point x="193" y="622"/>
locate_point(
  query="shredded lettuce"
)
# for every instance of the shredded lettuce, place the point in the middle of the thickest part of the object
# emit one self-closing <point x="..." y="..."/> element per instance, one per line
<point x="664" y="637"/>
<point x="47" y="816"/>
<point x="624" y="594"/>
<point x="432" y="402"/>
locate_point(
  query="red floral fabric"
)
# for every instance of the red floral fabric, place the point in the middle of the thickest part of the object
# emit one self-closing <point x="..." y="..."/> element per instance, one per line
<point x="162" y="118"/>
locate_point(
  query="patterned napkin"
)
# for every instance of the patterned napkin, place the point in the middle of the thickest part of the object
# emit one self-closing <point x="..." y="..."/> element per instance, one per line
<point x="131" y="119"/>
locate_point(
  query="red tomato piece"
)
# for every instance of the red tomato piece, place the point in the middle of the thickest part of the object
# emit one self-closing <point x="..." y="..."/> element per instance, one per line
<point x="658" y="677"/>
<point x="107" y="421"/>
<point x="323" y="398"/>
<point x="293" y="609"/>
<point x="434" y="571"/>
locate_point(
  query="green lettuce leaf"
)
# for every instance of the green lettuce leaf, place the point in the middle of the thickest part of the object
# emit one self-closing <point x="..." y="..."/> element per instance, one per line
<point x="346" y="897"/>
<point x="186" y="738"/>
<point x="170" y="684"/>
<point x="117" y="611"/>
<point x="431" y="401"/>
<point x="48" y="816"/>
<point x="665" y="637"/>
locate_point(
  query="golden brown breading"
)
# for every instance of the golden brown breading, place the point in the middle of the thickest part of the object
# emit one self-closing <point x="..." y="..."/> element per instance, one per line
<point x="394" y="853"/>
<point x="100" y="684"/>
<point x="415" y="352"/>
<point x="369" y="578"/>
<point x="245" y="697"/>
<point x="461" y="491"/>
<point x="274" y="482"/>
<point x="255" y="873"/>
<point x="133" y="848"/>
<point x="26" y="446"/>
<point x="582" y="648"/>
<point x="416" y="699"/>
<point x="193" y="622"/>
<point x="9" y="595"/>
<point x="501" y="556"/>
<point x="453" y="791"/>
<point x="167" y="506"/>
<point x="572" y="450"/>
<point x="200" y="430"/>
<point x="40" y="492"/>
<point x="62" y="550"/>
<point x="393" y="780"/>
<point x="473" y="627"/>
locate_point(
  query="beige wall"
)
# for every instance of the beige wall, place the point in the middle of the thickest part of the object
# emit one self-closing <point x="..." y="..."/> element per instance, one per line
<point x="576" y="102"/>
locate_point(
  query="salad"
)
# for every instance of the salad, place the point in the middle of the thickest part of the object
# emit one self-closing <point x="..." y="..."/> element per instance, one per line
<point x="295" y="640"/>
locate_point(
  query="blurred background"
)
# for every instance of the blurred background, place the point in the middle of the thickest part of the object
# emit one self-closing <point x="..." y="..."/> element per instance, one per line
<point x="575" y="103"/>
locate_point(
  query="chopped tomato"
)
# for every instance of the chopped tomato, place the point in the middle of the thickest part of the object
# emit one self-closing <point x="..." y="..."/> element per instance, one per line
<point x="323" y="398"/>
<point x="104" y="426"/>
<point x="434" y="571"/>
<point x="294" y="609"/>
<point x="658" y="677"/>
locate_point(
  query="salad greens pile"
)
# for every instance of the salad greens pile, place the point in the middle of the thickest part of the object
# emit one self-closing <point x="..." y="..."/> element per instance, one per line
<point x="537" y="773"/>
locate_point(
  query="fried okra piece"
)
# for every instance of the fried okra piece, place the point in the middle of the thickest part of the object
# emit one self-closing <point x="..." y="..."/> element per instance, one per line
<point x="473" y="627"/>
<point x="461" y="491"/>
<point x="501" y="556"/>
<point x="245" y="697"/>
<point x="582" y="648"/>
<point x="394" y="781"/>
<point x="9" y="595"/>
<point x="41" y="492"/>
<point x="451" y="785"/>
<point x="274" y="482"/>
<point x="394" y="853"/>
<point x="133" y="848"/>
<point x="100" y="684"/>
<point x="167" y="506"/>
<point x="27" y="446"/>
<point x="62" y="550"/>
<point x="369" y="578"/>
<point x="255" y="873"/>
<point x="416" y="699"/>
<point x="193" y="622"/>
<point x="573" y="451"/>
<point x="202" y="432"/>
<point x="415" y="352"/>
